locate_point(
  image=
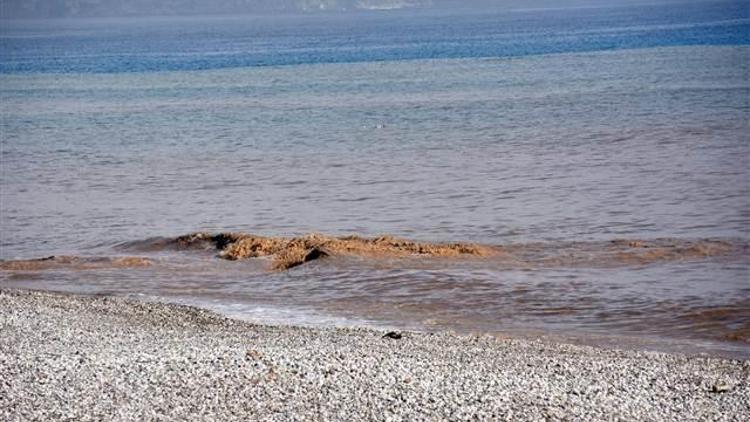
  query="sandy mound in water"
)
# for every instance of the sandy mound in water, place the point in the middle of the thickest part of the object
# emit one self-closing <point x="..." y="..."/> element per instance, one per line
<point x="290" y="252"/>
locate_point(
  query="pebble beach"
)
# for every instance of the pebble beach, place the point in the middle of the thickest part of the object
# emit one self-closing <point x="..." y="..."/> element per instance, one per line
<point x="67" y="357"/>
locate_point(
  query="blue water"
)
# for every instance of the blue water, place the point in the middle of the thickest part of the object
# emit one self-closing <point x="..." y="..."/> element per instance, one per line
<point x="200" y="43"/>
<point x="433" y="125"/>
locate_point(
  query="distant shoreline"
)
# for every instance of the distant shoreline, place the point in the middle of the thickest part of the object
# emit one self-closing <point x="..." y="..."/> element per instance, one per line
<point x="67" y="356"/>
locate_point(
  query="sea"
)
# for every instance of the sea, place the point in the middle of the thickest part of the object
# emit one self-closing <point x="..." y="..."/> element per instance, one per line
<point x="559" y="131"/>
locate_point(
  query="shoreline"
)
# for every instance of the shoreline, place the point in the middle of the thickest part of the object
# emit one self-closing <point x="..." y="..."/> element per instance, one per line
<point x="295" y="317"/>
<point x="65" y="356"/>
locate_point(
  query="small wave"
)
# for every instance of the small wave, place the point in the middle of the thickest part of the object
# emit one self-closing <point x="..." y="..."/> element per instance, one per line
<point x="74" y="262"/>
<point x="728" y="323"/>
<point x="294" y="251"/>
<point x="289" y="252"/>
<point x="194" y="241"/>
<point x="620" y="252"/>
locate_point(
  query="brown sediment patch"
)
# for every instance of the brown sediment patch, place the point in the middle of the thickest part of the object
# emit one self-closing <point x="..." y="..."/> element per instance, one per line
<point x="36" y="264"/>
<point x="296" y="255"/>
<point x="251" y="246"/>
<point x="294" y="251"/>
<point x="644" y="252"/>
<point x="739" y="334"/>
<point x="730" y="322"/>
<point x="618" y="252"/>
<point x="288" y="252"/>
<point x="74" y="262"/>
<point x="131" y="262"/>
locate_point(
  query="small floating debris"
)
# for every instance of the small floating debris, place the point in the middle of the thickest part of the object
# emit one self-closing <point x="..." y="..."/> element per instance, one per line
<point x="393" y="335"/>
<point x="720" y="388"/>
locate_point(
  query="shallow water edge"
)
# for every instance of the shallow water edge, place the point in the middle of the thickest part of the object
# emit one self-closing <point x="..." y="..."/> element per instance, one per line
<point x="628" y="293"/>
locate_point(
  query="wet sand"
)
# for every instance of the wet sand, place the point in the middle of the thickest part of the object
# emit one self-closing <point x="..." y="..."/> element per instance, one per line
<point x="65" y="357"/>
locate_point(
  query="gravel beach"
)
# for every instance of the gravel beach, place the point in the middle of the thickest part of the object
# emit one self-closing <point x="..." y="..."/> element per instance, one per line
<point x="65" y="357"/>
